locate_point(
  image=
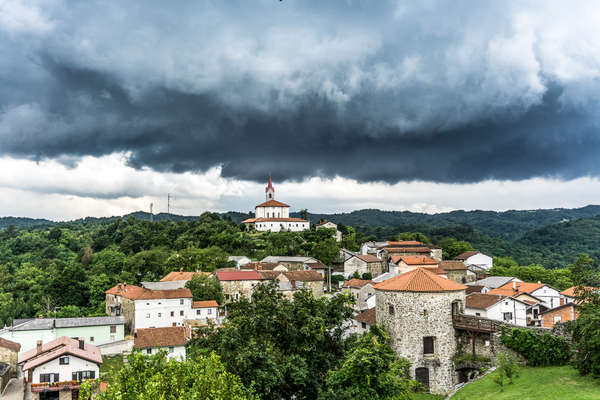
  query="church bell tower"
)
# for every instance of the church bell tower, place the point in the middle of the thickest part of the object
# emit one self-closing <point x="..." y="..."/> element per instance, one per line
<point x="270" y="190"/>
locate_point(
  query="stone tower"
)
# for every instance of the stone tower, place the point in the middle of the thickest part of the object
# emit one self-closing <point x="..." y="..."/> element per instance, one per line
<point x="270" y="190"/>
<point x="416" y="308"/>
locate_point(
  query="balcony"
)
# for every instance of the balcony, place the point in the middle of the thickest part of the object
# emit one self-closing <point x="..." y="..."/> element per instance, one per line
<point x="55" y="386"/>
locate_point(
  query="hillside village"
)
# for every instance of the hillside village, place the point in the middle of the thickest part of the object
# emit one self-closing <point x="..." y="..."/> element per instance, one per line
<point x="432" y="308"/>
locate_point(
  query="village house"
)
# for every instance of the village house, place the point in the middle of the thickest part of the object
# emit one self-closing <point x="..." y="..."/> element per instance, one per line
<point x="206" y="311"/>
<point x="457" y="271"/>
<point x="238" y="283"/>
<point x="330" y="225"/>
<point x="145" y="308"/>
<point x="291" y="281"/>
<point x="345" y="254"/>
<point x="563" y="313"/>
<point x="292" y="263"/>
<point x="385" y="250"/>
<point x="408" y="263"/>
<point x="361" y="290"/>
<point x="94" y="330"/>
<point x="362" y="322"/>
<point x="362" y="264"/>
<point x="9" y="356"/>
<point x="549" y="296"/>
<point x="569" y="295"/>
<point x="499" y="308"/>
<point x="171" y="340"/>
<point x="477" y="259"/>
<point x="319" y="268"/>
<point x="240" y="261"/>
<point x="274" y="216"/>
<point x="181" y="276"/>
<point x="489" y="283"/>
<point x="417" y="308"/>
<point x="59" y="367"/>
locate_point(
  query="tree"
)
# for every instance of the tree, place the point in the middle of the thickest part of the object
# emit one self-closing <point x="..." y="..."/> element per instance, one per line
<point x="149" y="378"/>
<point x="194" y="259"/>
<point x="418" y="236"/>
<point x="87" y="257"/>
<point x="371" y="370"/>
<point x="582" y="271"/>
<point x="506" y="367"/>
<point x="7" y="308"/>
<point x="327" y="251"/>
<point x="55" y="234"/>
<point x="452" y="247"/>
<point x="205" y="287"/>
<point x="585" y="331"/>
<point x="303" y="214"/>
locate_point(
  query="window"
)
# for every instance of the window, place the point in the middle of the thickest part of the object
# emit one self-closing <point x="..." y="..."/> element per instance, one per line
<point x="159" y="315"/>
<point x="364" y="325"/>
<point x="113" y="329"/>
<point x="172" y="313"/>
<point x="557" y="318"/>
<point x="171" y="349"/>
<point x="198" y="312"/>
<point x="147" y="304"/>
<point x="181" y="313"/>
<point x="478" y="314"/>
<point x="508" y="316"/>
<point x="391" y="309"/>
<point x="48" y="378"/>
<point x="148" y="350"/>
<point x="81" y="375"/>
<point x="209" y="311"/>
<point x="63" y="360"/>
<point x="148" y="315"/>
<point x="91" y="338"/>
<point x="181" y="302"/>
<point x="428" y="345"/>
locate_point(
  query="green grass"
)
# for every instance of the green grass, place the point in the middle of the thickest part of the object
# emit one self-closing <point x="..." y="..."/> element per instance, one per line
<point x="427" y="396"/>
<point x="108" y="363"/>
<point x="545" y="383"/>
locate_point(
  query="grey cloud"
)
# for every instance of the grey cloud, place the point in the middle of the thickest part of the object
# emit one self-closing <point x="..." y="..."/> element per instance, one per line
<point x="446" y="94"/>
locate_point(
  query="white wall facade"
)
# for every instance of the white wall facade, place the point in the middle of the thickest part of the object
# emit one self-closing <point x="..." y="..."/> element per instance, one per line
<point x="278" y="226"/>
<point x="65" y="372"/>
<point x="550" y="297"/>
<point x="272" y="212"/>
<point x="496" y="312"/>
<point x="173" y="352"/>
<point x="480" y="260"/>
<point x="157" y="313"/>
<point x="206" y="313"/>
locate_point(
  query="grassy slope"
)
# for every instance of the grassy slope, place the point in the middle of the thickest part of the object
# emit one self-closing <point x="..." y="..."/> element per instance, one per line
<point x="548" y="383"/>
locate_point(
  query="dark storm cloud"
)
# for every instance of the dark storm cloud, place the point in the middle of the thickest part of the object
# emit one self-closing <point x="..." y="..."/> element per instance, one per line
<point x="365" y="105"/>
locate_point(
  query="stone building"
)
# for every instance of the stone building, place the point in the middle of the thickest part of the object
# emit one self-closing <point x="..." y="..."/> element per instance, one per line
<point x="363" y="263"/>
<point x="408" y="263"/>
<point x="292" y="263"/>
<point x="291" y="281"/>
<point x="9" y="351"/>
<point x="457" y="271"/>
<point x="238" y="283"/>
<point x="361" y="290"/>
<point x="416" y="308"/>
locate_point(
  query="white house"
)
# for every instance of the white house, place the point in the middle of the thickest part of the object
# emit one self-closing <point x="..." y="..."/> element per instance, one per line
<point x="239" y="260"/>
<point x="52" y="367"/>
<point x="499" y="308"/>
<point x="477" y="259"/>
<point x="274" y="216"/>
<point x="362" y="322"/>
<point x="206" y="312"/>
<point x="549" y="296"/>
<point x="330" y="225"/>
<point x="94" y="330"/>
<point x="491" y="282"/>
<point x="172" y="340"/>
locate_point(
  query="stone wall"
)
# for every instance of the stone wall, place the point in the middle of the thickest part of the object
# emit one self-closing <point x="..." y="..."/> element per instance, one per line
<point x="233" y="290"/>
<point x="10" y="357"/>
<point x="417" y="315"/>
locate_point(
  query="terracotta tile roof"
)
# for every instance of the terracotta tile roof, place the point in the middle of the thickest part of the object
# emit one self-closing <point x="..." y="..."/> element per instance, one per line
<point x="139" y="293"/>
<point x="482" y="301"/>
<point x="7" y="344"/>
<point x="395" y="250"/>
<point x="205" y="304"/>
<point x="59" y="347"/>
<point x="249" y="220"/>
<point x="268" y="275"/>
<point x="368" y="316"/>
<point x="160" y="337"/>
<point x="413" y="243"/>
<point x="521" y="287"/>
<point x="574" y="305"/>
<point x="238" y="275"/>
<point x="272" y="203"/>
<point x="466" y="255"/>
<point x="570" y="292"/>
<point x="436" y="270"/>
<point x="473" y="289"/>
<point x="317" y="266"/>
<point x="181" y="275"/>
<point x="368" y="258"/>
<point x="453" y="265"/>
<point x="260" y="265"/>
<point x="356" y="283"/>
<point x="419" y="260"/>
<point x="303" y="276"/>
<point x="419" y="280"/>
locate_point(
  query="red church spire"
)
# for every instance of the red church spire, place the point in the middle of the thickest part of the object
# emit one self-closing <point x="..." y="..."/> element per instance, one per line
<point x="269" y="185"/>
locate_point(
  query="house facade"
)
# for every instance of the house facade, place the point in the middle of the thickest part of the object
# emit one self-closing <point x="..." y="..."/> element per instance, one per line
<point x="206" y="312"/>
<point x="408" y="263"/>
<point x="362" y="322"/>
<point x="416" y="308"/>
<point x="9" y="356"/>
<point x="94" y="330"/>
<point x="457" y="271"/>
<point x="362" y="264"/>
<point x="360" y="290"/>
<point x="499" y="308"/>
<point x="171" y="340"/>
<point x="549" y="296"/>
<point x="563" y="313"/>
<point x="477" y="259"/>
<point x="292" y="263"/>
<point x="238" y="283"/>
<point x="330" y="225"/>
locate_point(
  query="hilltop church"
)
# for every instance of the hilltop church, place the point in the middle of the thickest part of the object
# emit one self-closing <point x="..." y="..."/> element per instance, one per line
<point x="274" y="216"/>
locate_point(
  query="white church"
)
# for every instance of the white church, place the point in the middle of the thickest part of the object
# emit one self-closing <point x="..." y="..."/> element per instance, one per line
<point x="274" y="216"/>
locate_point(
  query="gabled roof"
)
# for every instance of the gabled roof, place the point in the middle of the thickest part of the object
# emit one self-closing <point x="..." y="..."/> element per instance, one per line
<point x="272" y="203"/>
<point x="368" y="258"/>
<point x="181" y="275"/>
<point x="291" y="259"/>
<point x="414" y="243"/>
<point x="139" y="293"/>
<point x="418" y="260"/>
<point x="419" y="280"/>
<point x="368" y="316"/>
<point x="493" y="281"/>
<point x="482" y="301"/>
<point x="570" y="292"/>
<point x="356" y="283"/>
<point x="238" y="275"/>
<point x="303" y="276"/>
<point x="570" y="304"/>
<point x="57" y="348"/>
<point x="453" y="265"/>
<point x="465" y="255"/>
<point x="7" y="344"/>
<point x="205" y="304"/>
<point x="35" y="324"/>
<point x="250" y="220"/>
<point x="520" y="287"/>
<point x="404" y="250"/>
<point x="160" y="337"/>
<point x="267" y="266"/>
<point x="317" y="266"/>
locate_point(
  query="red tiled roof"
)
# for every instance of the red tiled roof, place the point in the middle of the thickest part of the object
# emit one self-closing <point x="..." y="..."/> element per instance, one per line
<point x="356" y="283"/>
<point x="238" y="275"/>
<point x="160" y="337"/>
<point x="570" y="292"/>
<point x="404" y="243"/>
<point x="368" y="316"/>
<point x="133" y="292"/>
<point x="260" y="266"/>
<point x="317" y="266"/>
<point x="368" y="258"/>
<point x="272" y="203"/>
<point x="436" y="270"/>
<point x="395" y="250"/>
<point x="205" y="304"/>
<point x="419" y="260"/>
<point x="453" y="265"/>
<point x="59" y="347"/>
<point x="254" y="220"/>
<point x="419" y="280"/>
<point x="7" y="344"/>
<point x="181" y="275"/>
<point x="481" y="301"/>
<point x="303" y="276"/>
<point x="466" y="255"/>
<point x="521" y="287"/>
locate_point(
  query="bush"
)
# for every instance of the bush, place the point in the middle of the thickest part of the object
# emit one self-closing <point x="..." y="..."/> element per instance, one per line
<point x="538" y="350"/>
<point x="506" y="367"/>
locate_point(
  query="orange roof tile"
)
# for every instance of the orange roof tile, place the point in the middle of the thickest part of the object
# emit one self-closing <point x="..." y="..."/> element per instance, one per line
<point x="419" y="280"/>
<point x="404" y="243"/>
<point x="133" y="292"/>
<point x="521" y="287"/>
<point x="7" y="344"/>
<point x="570" y="292"/>
<point x="368" y="316"/>
<point x="419" y="260"/>
<point x="160" y="337"/>
<point x="272" y="203"/>
<point x="356" y="283"/>
<point x="453" y="265"/>
<point x="482" y="301"/>
<point x="395" y="250"/>
<point x="368" y="258"/>
<point x="181" y="275"/>
<point x="205" y="304"/>
<point x="436" y="270"/>
<point x="59" y="347"/>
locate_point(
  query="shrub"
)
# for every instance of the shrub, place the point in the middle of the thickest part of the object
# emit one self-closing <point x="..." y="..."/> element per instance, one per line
<point x="506" y="368"/>
<point x="538" y="350"/>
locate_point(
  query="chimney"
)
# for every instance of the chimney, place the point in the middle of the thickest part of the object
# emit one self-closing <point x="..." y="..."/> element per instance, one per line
<point x="81" y="343"/>
<point x="180" y="269"/>
<point x="539" y="282"/>
<point x="514" y="285"/>
<point x="120" y="287"/>
<point x="39" y="347"/>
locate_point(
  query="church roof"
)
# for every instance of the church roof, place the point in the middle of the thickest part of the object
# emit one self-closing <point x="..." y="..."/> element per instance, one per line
<point x="269" y="185"/>
<point x="251" y="220"/>
<point x="419" y="280"/>
<point x="272" y="203"/>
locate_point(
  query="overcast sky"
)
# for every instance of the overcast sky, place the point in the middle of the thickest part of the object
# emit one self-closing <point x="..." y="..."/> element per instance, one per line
<point x="426" y="106"/>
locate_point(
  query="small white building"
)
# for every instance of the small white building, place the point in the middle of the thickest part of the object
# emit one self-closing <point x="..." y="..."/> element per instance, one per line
<point x="274" y="216"/>
<point x="499" y="308"/>
<point x="240" y="261"/>
<point x="362" y="264"/>
<point x="206" y="312"/>
<point x="330" y="225"/>
<point x="60" y="366"/>
<point x="549" y="296"/>
<point x="171" y="340"/>
<point x="362" y="322"/>
<point x="489" y="283"/>
<point x="477" y="259"/>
